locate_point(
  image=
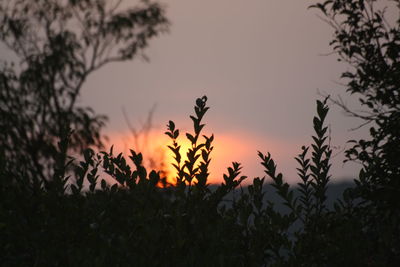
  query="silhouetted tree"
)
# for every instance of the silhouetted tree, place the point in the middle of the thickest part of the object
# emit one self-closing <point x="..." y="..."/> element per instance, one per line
<point x="369" y="41"/>
<point x="58" y="44"/>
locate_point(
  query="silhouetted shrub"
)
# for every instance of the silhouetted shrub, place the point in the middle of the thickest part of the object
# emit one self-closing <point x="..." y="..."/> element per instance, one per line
<point x="135" y="222"/>
<point x="50" y="216"/>
<point x="368" y="40"/>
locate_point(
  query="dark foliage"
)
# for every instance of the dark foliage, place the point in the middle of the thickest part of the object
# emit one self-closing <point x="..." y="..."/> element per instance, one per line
<point x="190" y="224"/>
<point x="58" y="45"/>
<point x="50" y="216"/>
<point x="369" y="42"/>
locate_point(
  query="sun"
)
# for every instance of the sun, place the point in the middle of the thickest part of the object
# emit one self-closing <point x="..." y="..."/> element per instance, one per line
<point x="172" y="172"/>
<point x="156" y="154"/>
<point x="228" y="147"/>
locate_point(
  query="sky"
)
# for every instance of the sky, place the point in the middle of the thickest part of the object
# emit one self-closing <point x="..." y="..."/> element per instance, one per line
<point x="261" y="63"/>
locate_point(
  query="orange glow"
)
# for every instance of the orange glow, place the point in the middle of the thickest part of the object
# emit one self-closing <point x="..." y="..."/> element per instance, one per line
<point x="171" y="171"/>
<point x="228" y="147"/>
<point x="156" y="153"/>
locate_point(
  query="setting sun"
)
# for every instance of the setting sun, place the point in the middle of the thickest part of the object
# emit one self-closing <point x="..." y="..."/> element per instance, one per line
<point x="154" y="151"/>
<point x="227" y="148"/>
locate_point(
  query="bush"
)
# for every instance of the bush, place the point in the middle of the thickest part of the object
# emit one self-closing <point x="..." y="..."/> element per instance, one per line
<point x="137" y="222"/>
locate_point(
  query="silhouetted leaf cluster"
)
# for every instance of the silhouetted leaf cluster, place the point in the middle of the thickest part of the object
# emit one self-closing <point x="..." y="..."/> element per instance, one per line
<point x="58" y="45"/>
<point x="85" y="220"/>
<point x="369" y="41"/>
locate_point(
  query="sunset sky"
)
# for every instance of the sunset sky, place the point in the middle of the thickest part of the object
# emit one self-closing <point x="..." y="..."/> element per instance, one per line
<point x="261" y="64"/>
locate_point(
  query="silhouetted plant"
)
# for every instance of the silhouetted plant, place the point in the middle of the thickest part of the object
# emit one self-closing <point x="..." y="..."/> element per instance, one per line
<point x="154" y="157"/>
<point x="191" y="224"/>
<point x="194" y="169"/>
<point x="79" y="219"/>
<point x="367" y="39"/>
<point x="58" y="45"/>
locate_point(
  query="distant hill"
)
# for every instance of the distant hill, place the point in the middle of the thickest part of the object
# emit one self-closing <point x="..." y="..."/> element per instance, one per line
<point x="334" y="192"/>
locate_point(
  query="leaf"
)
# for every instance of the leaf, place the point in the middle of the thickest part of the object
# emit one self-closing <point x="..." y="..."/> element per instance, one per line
<point x="176" y="134"/>
<point x="171" y="126"/>
<point x="190" y="137"/>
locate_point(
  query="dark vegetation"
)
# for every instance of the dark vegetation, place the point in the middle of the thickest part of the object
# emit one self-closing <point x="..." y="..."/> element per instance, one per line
<point x="48" y="217"/>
